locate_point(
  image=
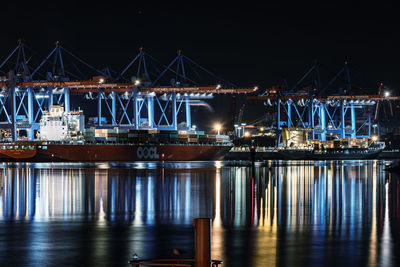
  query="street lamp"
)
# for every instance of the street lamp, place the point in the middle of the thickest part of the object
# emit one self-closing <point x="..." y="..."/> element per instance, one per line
<point x="374" y="126"/>
<point x="243" y="126"/>
<point x="236" y="129"/>
<point x="218" y="127"/>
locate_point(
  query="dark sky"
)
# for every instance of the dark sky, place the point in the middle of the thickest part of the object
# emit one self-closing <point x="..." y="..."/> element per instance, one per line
<point x="247" y="43"/>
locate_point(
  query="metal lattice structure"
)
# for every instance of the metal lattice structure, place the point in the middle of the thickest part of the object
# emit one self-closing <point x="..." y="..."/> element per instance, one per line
<point x="335" y="109"/>
<point x="145" y="102"/>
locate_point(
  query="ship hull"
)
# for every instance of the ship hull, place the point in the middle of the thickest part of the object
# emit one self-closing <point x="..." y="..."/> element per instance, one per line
<point x="171" y="152"/>
<point x="302" y="154"/>
<point x="329" y="154"/>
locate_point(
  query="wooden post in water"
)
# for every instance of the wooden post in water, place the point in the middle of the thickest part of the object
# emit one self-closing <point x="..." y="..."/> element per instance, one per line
<point x="202" y="242"/>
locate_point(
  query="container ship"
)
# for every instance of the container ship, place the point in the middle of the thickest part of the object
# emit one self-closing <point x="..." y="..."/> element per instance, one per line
<point x="63" y="137"/>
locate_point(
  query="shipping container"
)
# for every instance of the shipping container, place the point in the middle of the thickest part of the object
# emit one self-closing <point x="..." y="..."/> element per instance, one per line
<point x="122" y="135"/>
<point x="164" y="138"/>
<point x="133" y="140"/>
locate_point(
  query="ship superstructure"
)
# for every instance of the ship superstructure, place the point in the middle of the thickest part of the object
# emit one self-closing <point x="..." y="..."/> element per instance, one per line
<point x="58" y="125"/>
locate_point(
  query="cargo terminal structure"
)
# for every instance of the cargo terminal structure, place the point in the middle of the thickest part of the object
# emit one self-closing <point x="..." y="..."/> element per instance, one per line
<point x="142" y="101"/>
<point x="146" y="98"/>
<point x="334" y="120"/>
<point x="333" y="110"/>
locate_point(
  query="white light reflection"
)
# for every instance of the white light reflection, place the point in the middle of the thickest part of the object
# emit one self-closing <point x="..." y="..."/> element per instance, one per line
<point x="386" y="242"/>
<point x="217" y="230"/>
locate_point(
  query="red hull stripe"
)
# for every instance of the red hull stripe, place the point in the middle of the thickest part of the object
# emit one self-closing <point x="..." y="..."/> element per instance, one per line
<point x="132" y="152"/>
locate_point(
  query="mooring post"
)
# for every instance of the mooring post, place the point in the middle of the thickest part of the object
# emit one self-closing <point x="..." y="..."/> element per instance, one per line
<point x="202" y="242"/>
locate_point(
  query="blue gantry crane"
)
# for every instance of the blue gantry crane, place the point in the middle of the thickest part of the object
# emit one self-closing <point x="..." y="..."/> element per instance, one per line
<point x="336" y="109"/>
<point x="148" y="99"/>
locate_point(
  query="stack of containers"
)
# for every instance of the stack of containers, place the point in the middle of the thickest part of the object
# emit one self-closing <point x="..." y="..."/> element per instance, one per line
<point x="193" y="138"/>
<point x="211" y="138"/>
<point x="222" y="138"/>
<point x="112" y="135"/>
<point x="90" y="135"/>
<point x="183" y="137"/>
<point x="122" y="135"/>
<point x="164" y="137"/>
<point x="202" y="138"/>
<point x="101" y="135"/>
<point x="133" y="136"/>
<point x="143" y="137"/>
<point x="364" y="143"/>
<point x="154" y="136"/>
<point x="173" y="136"/>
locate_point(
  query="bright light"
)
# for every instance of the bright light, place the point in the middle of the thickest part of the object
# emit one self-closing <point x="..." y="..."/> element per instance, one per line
<point x="218" y="164"/>
<point x="374" y="138"/>
<point x="387" y="94"/>
<point x="262" y="129"/>
<point x="218" y="127"/>
<point x="246" y="134"/>
<point x="137" y="82"/>
<point x="218" y="86"/>
<point x="101" y="80"/>
<point x="41" y="96"/>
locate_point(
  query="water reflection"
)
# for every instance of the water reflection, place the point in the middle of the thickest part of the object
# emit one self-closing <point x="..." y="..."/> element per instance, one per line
<point x="141" y="196"/>
<point x="284" y="213"/>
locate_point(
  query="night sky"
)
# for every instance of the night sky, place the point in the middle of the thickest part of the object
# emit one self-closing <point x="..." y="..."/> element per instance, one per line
<point x="248" y="43"/>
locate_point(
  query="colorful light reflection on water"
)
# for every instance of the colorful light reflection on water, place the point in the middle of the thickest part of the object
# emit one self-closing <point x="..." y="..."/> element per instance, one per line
<point x="285" y="213"/>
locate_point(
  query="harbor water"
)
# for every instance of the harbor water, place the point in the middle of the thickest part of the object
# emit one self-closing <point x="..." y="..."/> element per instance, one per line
<point x="286" y="213"/>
